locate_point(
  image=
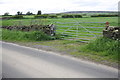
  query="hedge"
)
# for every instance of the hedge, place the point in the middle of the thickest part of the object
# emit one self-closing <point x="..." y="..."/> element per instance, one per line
<point x="77" y="16"/>
<point x="52" y="16"/>
<point x="104" y="15"/>
<point x="67" y="16"/>
<point x="71" y="16"/>
<point x="17" y="17"/>
<point x="41" y="16"/>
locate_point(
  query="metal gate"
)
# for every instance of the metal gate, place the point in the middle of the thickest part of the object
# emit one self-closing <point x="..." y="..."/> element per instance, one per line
<point x="76" y="30"/>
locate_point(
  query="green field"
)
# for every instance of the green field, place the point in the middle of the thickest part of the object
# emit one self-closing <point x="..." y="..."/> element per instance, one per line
<point x="113" y="21"/>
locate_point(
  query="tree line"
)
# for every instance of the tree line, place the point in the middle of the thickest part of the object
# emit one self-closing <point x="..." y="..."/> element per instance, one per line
<point x="20" y="13"/>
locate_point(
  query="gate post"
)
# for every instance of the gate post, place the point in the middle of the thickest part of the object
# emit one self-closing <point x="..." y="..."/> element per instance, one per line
<point x="107" y="25"/>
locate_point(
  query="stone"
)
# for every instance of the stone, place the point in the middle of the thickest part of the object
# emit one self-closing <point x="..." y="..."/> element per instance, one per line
<point x="112" y="32"/>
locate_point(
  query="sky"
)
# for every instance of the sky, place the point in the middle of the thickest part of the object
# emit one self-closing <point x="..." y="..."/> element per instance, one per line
<point x="56" y="6"/>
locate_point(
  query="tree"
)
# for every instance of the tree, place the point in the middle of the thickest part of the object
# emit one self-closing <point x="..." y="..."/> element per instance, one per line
<point x="29" y="13"/>
<point x="19" y="13"/>
<point x="6" y="14"/>
<point x="39" y="12"/>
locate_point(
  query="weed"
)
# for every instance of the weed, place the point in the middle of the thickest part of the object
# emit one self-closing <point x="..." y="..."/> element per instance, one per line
<point x="24" y="36"/>
<point x="104" y="47"/>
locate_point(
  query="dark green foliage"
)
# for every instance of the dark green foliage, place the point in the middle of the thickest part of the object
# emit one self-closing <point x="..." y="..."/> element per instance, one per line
<point x="45" y="16"/>
<point x="77" y="16"/>
<point x="29" y="13"/>
<point x="6" y="14"/>
<point x="104" y="15"/>
<point x="19" y="13"/>
<point x="39" y="12"/>
<point x="71" y="16"/>
<point x="18" y="16"/>
<point x="52" y="16"/>
<point x="67" y="16"/>
<point x="41" y="16"/>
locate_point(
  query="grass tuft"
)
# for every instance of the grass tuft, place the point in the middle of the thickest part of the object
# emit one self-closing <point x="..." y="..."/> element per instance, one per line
<point x="104" y="47"/>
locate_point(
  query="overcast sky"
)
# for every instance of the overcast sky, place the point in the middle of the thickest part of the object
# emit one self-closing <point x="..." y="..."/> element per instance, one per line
<point x="56" y="6"/>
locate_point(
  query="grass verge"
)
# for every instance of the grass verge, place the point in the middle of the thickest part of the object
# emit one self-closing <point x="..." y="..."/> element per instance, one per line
<point x="101" y="50"/>
<point x="104" y="47"/>
<point x="26" y="36"/>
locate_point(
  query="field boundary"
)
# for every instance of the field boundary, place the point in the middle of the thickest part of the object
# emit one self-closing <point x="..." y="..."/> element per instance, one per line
<point x="74" y="33"/>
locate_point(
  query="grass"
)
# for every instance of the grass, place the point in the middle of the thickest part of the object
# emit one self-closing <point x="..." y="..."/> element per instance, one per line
<point x="113" y="21"/>
<point x="104" y="47"/>
<point x="26" y="36"/>
<point x="79" y="29"/>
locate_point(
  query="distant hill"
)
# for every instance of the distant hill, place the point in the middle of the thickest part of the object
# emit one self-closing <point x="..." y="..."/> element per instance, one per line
<point x="91" y="12"/>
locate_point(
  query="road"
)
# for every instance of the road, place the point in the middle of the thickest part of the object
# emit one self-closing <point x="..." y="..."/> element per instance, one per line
<point x="24" y="62"/>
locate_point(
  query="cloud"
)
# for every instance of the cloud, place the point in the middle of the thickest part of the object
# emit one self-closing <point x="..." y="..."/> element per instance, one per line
<point x="51" y="6"/>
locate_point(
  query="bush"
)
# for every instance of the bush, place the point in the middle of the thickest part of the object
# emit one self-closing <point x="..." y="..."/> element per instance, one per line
<point x="41" y="16"/>
<point x="18" y="16"/>
<point x="71" y="16"/>
<point x="77" y="16"/>
<point x="7" y="15"/>
<point x="52" y="16"/>
<point x="103" y="15"/>
<point x="67" y="16"/>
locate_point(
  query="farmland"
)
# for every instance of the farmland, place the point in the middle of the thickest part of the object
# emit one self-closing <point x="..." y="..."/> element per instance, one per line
<point x="72" y="27"/>
<point x="73" y="32"/>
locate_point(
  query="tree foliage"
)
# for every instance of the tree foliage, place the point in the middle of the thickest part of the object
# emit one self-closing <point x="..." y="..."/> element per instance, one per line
<point x="29" y="13"/>
<point x="6" y="14"/>
<point x="19" y="13"/>
<point x="39" y="12"/>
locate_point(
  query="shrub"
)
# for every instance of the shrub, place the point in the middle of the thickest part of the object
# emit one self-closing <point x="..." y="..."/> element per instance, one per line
<point x="52" y="16"/>
<point x="77" y="16"/>
<point x="41" y="16"/>
<point x="103" y="15"/>
<point x="18" y="16"/>
<point x="71" y="16"/>
<point x="7" y="15"/>
<point x="67" y="16"/>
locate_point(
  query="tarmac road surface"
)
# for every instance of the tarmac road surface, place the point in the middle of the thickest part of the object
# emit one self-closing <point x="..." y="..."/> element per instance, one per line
<point x="24" y="62"/>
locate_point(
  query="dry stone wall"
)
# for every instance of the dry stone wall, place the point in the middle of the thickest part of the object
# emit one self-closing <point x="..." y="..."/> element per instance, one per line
<point x="112" y="32"/>
<point x="48" y="29"/>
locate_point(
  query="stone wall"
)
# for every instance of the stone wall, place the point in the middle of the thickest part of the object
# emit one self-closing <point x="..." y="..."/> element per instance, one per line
<point x="112" y="32"/>
<point x="48" y="29"/>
